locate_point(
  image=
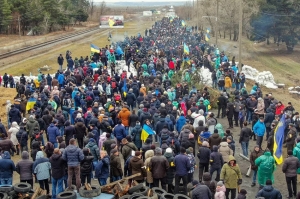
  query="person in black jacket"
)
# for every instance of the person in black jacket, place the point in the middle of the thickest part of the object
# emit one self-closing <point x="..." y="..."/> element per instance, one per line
<point x="244" y="138"/>
<point x="216" y="162"/>
<point x="171" y="170"/>
<point x="131" y="99"/>
<point x="69" y="132"/>
<point x="86" y="167"/>
<point x="269" y="117"/>
<point x="222" y="102"/>
<point x="57" y="172"/>
<point x="60" y="61"/>
<point x="204" y="157"/>
<point x="230" y="114"/>
<point x="22" y="137"/>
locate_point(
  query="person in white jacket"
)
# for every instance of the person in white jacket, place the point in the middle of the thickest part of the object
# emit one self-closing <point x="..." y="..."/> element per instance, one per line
<point x="197" y="117"/>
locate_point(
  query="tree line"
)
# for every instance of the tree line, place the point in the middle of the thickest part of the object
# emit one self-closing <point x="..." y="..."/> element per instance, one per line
<point x="41" y="16"/>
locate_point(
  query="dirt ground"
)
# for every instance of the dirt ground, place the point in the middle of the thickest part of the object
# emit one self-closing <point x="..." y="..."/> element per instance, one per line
<point x="29" y="62"/>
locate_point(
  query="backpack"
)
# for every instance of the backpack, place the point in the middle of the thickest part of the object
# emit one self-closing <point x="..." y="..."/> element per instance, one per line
<point x="135" y="86"/>
<point x="113" y="85"/>
<point x="117" y="97"/>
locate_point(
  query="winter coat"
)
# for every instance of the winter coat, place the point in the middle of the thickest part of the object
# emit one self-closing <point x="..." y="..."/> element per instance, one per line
<point x="53" y="132"/>
<point x="12" y="132"/>
<point x="291" y="136"/>
<point x="253" y="156"/>
<point x="136" y="136"/>
<point x="260" y="108"/>
<point x="228" y="82"/>
<point x="290" y="166"/>
<point x="133" y="118"/>
<point x="220" y="192"/>
<point x="57" y="166"/>
<point x="214" y="140"/>
<point x="7" y="166"/>
<point x="259" y="128"/>
<point x="24" y="167"/>
<point x="201" y="191"/>
<point x="225" y="150"/>
<point x="197" y="117"/>
<point x="130" y="98"/>
<point x="216" y="159"/>
<point x="102" y="168"/>
<point x="144" y="116"/>
<point x="86" y="165"/>
<point x="241" y="196"/>
<point x="182" y="164"/>
<point x="203" y="155"/>
<point x="124" y="115"/>
<point x="269" y="192"/>
<point x="230" y="174"/>
<point x="7" y="145"/>
<point x="115" y="166"/>
<point x="41" y="166"/>
<point x="94" y="150"/>
<point x="266" y="167"/>
<point x="220" y="129"/>
<point x="159" y="166"/>
<point x="80" y="130"/>
<point x="119" y="132"/>
<point x="180" y="123"/>
<point x="230" y="110"/>
<point x="207" y="180"/>
<point x="269" y="117"/>
<point x="184" y="135"/>
<point x="135" y="165"/>
<point x="160" y="125"/>
<point x="296" y="153"/>
<point x="171" y="169"/>
<point x="14" y="115"/>
<point x="245" y="134"/>
<point x="73" y="155"/>
<point x="69" y="133"/>
<point x="148" y="156"/>
<point x="30" y="125"/>
<point x="107" y="143"/>
<point x="127" y="148"/>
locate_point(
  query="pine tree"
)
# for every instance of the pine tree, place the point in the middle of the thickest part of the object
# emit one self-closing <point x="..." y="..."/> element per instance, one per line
<point x="5" y="15"/>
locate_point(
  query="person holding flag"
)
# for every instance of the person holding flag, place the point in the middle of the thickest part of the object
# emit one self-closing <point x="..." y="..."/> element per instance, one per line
<point x="147" y="131"/>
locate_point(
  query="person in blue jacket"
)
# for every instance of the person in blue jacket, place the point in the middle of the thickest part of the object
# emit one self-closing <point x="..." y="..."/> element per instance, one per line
<point x="7" y="168"/>
<point x="119" y="132"/>
<point x="53" y="132"/>
<point x="102" y="168"/>
<point x="259" y="130"/>
<point x="61" y="79"/>
<point x="180" y="122"/>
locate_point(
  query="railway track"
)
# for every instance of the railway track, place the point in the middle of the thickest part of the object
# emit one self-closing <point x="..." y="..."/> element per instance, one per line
<point x="33" y="47"/>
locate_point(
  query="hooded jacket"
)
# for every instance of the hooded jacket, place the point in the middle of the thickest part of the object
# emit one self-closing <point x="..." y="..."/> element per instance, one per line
<point x="296" y="153"/>
<point x="41" y="166"/>
<point x="80" y="130"/>
<point x="203" y="155"/>
<point x="14" y="115"/>
<point x="57" y="166"/>
<point x="12" y="132"/>
<point x="53" y="132"/>
<point x="148" y="156"/>
<point x="24" y="167"/>
<point x="225" y="150"/>
<point x="94" y="150"/>
<point x="184" y="135"/>
<point x="7" y="166"/>
<point x="259" y="128"/>
<point x="214" y="139"/>
<point x="127" y="148"/>
<point x="290" y="166"/>
<point x="119" y="132"/>
<point x="269" y="191"/>
<point x="136" y="135"/>
<point x="216" y="160"/>
<point x="102" y="168"/>
<point x="135" y="165"/>
<point x="115" y="166"/>
<point x="124" y="116"/>
<point x="230" y="174"/>
<point x="159" y="166"/>
<point x="30" y="125"/>
<point x="265" y="164"/>
<point x="180" y="123"/>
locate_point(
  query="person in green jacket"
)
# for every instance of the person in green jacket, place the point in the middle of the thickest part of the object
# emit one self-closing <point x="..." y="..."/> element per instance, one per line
<point x="170" y="74"/>
<point x="187" y="77"/>
<point x="296" y="153"/>
<point x="220" y="129"/>
<point x="231" y="176"/>
<point x="266" y="168"/>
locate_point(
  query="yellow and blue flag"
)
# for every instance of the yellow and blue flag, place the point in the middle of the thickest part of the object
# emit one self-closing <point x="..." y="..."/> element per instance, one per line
<point x="30" y="103"/>
<point x="186" y="49"/>
<point x="124" y="88"/>
<point x="111" y="22"/>
<point x="278" y="140"/>
<point x="95" y="49"/>
<point x="207" y="36"/>
<point x="183" y="23"/>
<point x="146" y="132"/>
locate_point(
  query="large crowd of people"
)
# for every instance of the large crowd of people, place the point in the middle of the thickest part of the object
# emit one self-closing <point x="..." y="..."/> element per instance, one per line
<point x="84" y="122"/>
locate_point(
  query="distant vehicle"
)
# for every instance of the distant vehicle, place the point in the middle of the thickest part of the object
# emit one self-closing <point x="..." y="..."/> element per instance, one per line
<point x="118" y="22"/>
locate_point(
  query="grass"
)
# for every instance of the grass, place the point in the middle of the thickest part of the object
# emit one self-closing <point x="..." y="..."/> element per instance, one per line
<point x="78" y="48"/>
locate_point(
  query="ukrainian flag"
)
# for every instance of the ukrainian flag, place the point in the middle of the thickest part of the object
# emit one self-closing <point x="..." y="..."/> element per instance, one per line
<point x="183" y="23"/>
<point x="278" y="140"/>
<point x="30" y="103"/>
<point x="111" y="22"/>
<point x="186" y="49"/>
<point x="124" y="88"/>
<point x="95" y="49"/>
<point x="146" y="132"/>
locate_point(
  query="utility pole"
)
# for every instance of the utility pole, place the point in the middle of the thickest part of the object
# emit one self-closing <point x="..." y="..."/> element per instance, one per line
<point x="19" y="24"/>
<point x="240" y="34"/>
<point x="217" y="23"/>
